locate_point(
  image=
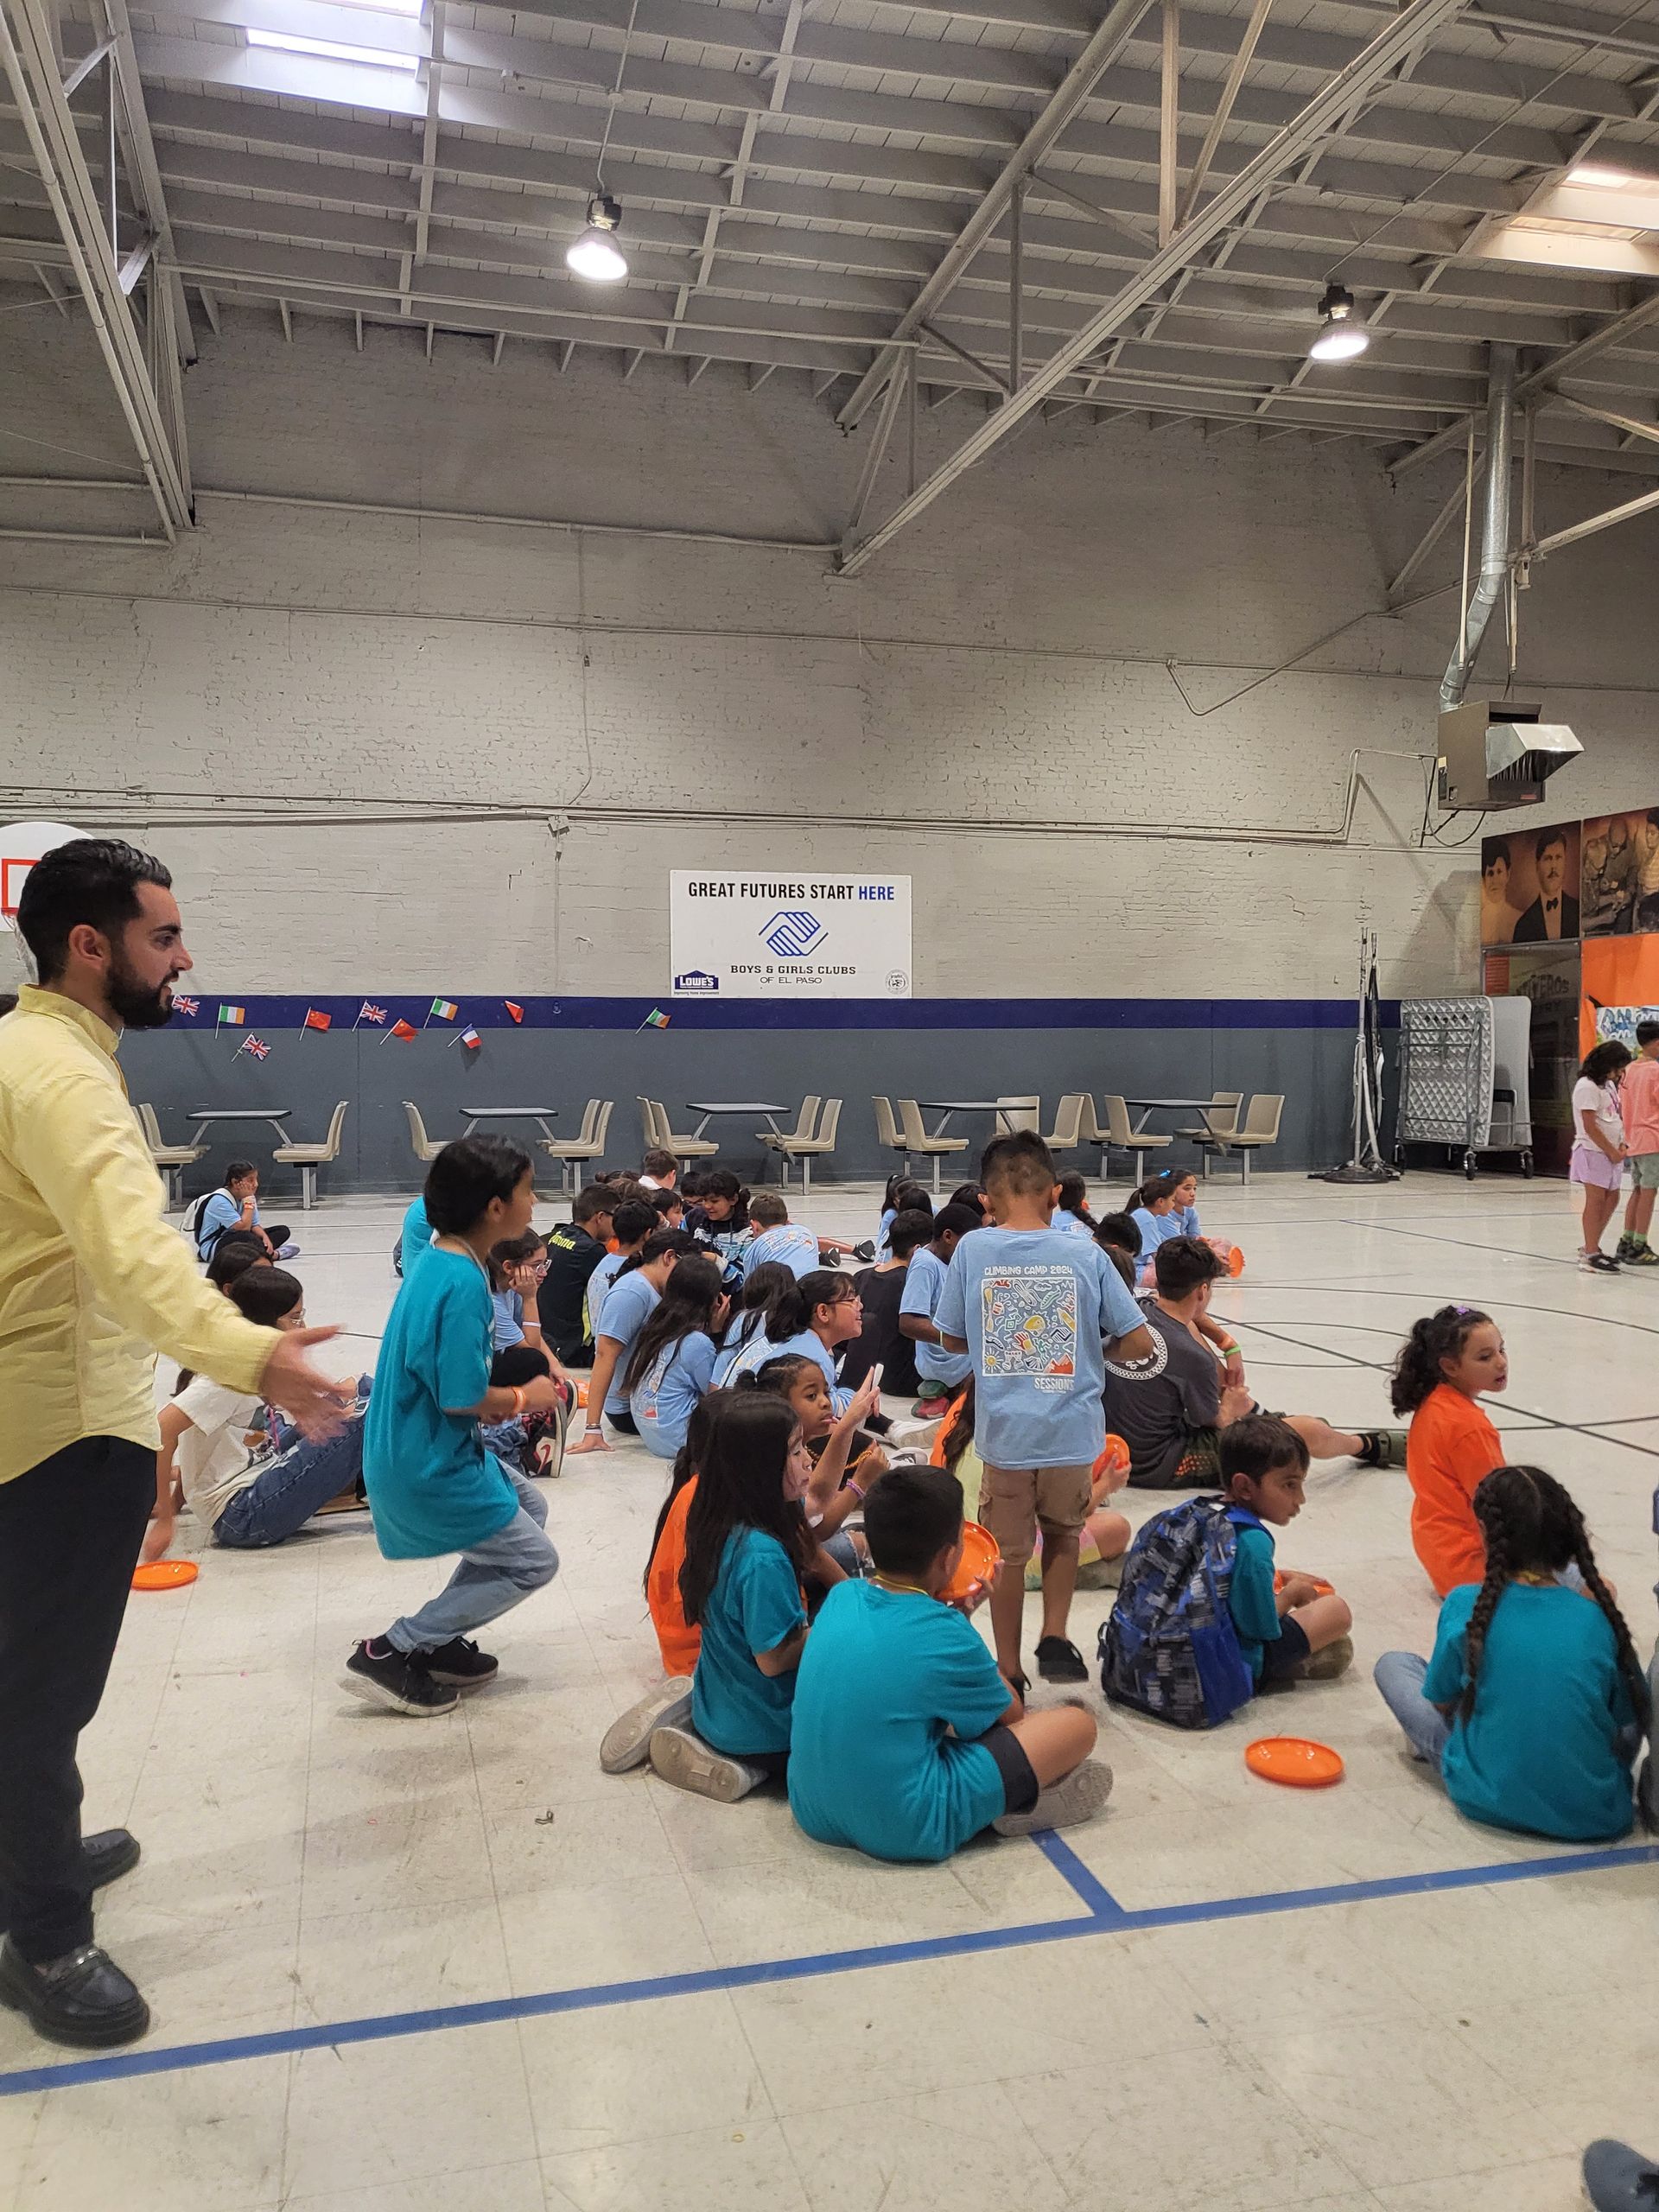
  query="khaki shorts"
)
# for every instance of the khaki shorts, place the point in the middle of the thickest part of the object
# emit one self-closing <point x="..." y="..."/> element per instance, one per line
<point x="1644" y="1170"/>
<point x="1015" y="1502"/>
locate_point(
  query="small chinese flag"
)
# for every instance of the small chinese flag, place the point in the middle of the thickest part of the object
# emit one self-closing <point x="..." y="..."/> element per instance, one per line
<point x="315" y="1020"/>
<point x="404" y="1029"/>
<point x="512" y="1005"/>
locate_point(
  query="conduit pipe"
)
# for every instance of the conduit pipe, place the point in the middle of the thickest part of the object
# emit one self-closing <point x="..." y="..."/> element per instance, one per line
<point x="1493" y="577"/>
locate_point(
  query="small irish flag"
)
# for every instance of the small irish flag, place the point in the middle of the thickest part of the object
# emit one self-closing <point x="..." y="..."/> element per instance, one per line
<point x="655" y="1020"/>
<point x="512" y="1005"/>
<point x="315" y="1020"/>
<point x="404" y="1029"/>
<point x="443" y="1010"/>
<point x="231" y="1017"/>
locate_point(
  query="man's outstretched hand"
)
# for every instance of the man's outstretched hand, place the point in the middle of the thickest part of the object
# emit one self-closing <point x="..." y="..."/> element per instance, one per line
<point x="314" y="1401"/>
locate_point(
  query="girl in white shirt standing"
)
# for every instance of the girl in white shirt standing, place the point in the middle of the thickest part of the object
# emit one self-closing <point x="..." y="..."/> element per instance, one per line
<point x="1598" y="1148"/>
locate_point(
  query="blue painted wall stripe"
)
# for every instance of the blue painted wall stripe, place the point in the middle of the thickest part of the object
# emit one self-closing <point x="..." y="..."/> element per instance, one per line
<point x="283" y="1011"/>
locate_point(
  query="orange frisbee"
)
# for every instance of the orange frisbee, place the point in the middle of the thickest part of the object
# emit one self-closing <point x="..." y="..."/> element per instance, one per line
<point x="164" y="1575"/>
<point x="581" y="1394"/>
<point x="1114" y="1458"/>
<point x="980" y="1557"/>
<point x="1294" y="1761"/>
<point x="1325" y="1589"/>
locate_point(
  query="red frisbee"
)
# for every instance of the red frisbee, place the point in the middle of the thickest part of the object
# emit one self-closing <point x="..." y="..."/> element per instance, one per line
<point x="1294" y="1761"/>
<point x="164" y="1575"/>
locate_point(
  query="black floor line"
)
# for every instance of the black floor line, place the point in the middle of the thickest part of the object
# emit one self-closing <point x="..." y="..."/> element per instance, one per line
<point x="1509" y="1305"/>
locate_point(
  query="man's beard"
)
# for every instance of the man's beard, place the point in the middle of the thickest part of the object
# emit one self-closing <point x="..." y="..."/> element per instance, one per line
<point x="135" y="1005"/>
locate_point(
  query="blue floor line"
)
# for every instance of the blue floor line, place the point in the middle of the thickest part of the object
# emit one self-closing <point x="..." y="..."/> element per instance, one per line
<point x="1105" y="1916"/>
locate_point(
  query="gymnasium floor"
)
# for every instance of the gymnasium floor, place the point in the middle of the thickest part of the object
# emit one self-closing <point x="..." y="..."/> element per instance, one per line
<point x="449" y="1966"/>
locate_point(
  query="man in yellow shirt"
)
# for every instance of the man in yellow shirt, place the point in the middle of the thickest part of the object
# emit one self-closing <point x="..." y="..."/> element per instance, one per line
<point x="92" y="1283"/>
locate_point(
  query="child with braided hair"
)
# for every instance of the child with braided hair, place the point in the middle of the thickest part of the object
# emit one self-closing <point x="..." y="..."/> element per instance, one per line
<point x="1533" y="1706"/>
<point x="1452" y="1359"/>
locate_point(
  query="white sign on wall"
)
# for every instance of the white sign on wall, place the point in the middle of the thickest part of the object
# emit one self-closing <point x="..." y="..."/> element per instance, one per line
<point x="767" y="935"/>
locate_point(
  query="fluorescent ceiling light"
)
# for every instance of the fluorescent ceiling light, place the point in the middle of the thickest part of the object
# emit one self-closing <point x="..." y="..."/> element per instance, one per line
<point x="1587" y="173"/>
<point x="326" y="49"/>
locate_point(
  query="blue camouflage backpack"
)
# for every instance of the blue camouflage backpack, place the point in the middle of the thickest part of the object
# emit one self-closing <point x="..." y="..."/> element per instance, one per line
<point x="1170" y="1648"/>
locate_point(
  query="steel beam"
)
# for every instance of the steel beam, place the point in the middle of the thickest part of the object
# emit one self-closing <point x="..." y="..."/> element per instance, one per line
<point x="1592" y="523"/>
<point x="1426" y="544"/>
<point x="1169" y="121"/>
<point x="1627" y="423"/>
<point x="29" y="62"/>
<point x="1391" y="46"/>
<point x="1016" y="285"/>
<point x="1222" y="115"/>
<point x="1118" y="26"/>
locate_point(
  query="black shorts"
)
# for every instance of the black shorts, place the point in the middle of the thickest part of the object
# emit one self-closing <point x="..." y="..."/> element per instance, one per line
<point x="1019" y="1784"/>
<point x="624" y="1424"/>
<point x="1280" y="1659"/>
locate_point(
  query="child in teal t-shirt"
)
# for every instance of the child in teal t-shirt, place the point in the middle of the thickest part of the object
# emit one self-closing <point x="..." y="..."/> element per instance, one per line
<point x="1533" y="1706"/>
<point x="1294" y="1631"/>
<point x="906" y="1741"/>
<point x="432" y="1486"/>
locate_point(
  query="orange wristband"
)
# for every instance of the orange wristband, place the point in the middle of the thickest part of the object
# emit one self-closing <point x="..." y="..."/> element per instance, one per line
<point x="518" y="1403"/>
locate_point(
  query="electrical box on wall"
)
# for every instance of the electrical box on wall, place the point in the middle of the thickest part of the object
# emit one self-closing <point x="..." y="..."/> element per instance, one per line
<point x="1494" y="754"/>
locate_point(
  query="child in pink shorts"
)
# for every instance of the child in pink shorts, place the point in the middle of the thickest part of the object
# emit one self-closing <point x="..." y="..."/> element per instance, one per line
<point x="1598" y="1164"/>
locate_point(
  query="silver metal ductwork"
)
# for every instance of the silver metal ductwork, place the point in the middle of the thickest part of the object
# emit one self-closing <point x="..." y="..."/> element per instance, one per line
<point x="1495" y="536"/>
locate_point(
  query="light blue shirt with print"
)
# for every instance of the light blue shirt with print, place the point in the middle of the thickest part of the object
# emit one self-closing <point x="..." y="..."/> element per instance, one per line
<point x="1033" y="1305"/>
<point x="668" y="1394"/>
<point x="924" y="1287"/>
<point x="787" y="1245"/>
<point x="598" y="1284"/>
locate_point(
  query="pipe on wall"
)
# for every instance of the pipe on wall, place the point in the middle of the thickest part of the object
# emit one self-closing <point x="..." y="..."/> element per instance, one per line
<point x="1495" y="534"/>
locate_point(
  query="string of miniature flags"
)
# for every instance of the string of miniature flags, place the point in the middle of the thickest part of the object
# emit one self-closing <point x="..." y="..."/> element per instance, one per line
<point x="232" y="1016"/>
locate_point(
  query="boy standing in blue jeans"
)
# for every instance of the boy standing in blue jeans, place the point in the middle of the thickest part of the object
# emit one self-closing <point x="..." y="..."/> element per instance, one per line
<point x="432" y="1486"/>
<point x="1034" y="1308"/>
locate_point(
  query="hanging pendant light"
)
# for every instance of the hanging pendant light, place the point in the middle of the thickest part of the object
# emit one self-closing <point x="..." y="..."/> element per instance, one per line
<point x="1341" y="336"/>
<point x="593" y="253"/>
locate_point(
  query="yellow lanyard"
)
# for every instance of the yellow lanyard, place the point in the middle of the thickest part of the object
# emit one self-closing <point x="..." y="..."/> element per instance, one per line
<point x="914" y="1588"/>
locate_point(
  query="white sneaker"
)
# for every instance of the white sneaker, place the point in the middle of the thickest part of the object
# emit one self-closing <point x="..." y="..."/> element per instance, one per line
<point x="682" y="1757"/>
<point x="627" y="1740"/>
<point x="1064" y="1804"/>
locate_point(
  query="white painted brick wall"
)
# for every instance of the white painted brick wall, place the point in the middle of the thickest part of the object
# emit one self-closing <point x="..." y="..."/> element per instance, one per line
<point x="1001" y="662"/>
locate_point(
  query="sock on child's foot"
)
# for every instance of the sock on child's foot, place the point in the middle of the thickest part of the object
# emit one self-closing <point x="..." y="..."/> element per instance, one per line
<point x="1062" y="1804"/>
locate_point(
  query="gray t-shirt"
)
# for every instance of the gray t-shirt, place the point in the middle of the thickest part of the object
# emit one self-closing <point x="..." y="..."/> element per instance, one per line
<point x="1157" y="1406"/>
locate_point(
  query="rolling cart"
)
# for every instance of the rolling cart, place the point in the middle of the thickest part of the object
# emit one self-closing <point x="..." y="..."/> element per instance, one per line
<point x="1463" y="1078"/>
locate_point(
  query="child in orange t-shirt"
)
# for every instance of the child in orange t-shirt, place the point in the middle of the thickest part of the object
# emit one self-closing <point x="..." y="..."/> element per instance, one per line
<point x="1448" y="1360"/>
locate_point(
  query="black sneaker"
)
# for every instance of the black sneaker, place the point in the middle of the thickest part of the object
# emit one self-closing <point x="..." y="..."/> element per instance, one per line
<point x="457" y="1662"/>
<point x="82" y="1999"/>
<point x="1060" y="1661"/>
<point x="386" y="1677"/>
<point x="866" y="1251"/>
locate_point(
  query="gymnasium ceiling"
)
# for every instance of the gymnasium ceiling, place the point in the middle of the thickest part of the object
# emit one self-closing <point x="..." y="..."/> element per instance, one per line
<point x="793" y="172"/>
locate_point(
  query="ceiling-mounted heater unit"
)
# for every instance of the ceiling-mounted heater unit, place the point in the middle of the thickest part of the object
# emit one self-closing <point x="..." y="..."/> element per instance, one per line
<point x="1494" y="754"/>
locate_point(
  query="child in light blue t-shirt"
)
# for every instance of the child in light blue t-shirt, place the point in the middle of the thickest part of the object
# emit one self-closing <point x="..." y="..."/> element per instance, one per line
<point x="671" y="1362"/>
<point x="1033" y="1308"/>
<point x="777" y="1239"/>
<point x="1532" y="1705"/>
<point x="942" y="1372"/>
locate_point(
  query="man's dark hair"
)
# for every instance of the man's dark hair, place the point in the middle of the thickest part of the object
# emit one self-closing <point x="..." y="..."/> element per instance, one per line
<point x="1647" y="1032"/>
<point x="236" y="1169"/>
<point x="1545" y="839"/>
<point x="1020" y="1165"/>
<point x="962" y="1219"/>
<point x="589" y="1203"/>
<point x="91" y="879"/>
<point x="908" y="1229"/>
<point x="466" y="1175"/>
<point x="1180" y="1265"/>
<point x="910" y="1515"/>
<point x="630" y="1219"/>
<point x="1255" y="1446"/>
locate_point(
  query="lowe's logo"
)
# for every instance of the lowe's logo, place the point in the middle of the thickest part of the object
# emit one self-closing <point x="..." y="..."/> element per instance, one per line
<point x="696" y="979"/>
<point x="793" y="934"/>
